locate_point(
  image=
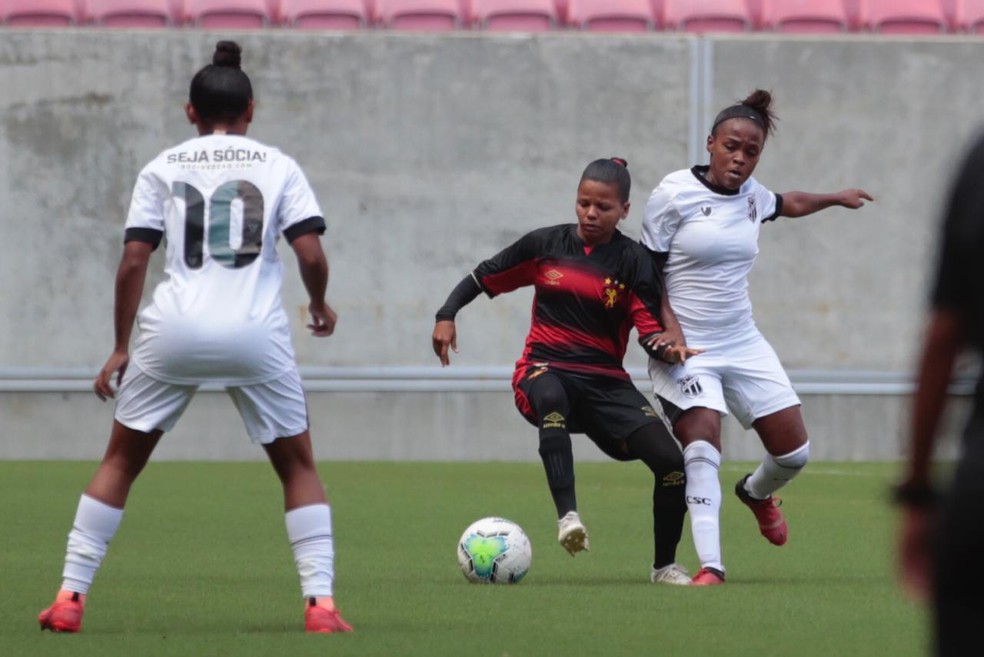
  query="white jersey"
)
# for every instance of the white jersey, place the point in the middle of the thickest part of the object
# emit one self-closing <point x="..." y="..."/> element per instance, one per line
<point x="711" y="236"/>
<point x="222" y="202"/>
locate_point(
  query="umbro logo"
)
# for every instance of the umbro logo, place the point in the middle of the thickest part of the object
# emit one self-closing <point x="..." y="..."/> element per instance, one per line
<point x="554" y="421"/>
<point x="705" y="210"/>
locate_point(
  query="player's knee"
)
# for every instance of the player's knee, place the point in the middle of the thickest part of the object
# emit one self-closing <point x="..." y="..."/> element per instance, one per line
<point x="701" y="451"/>
<point x="796" y="459"/>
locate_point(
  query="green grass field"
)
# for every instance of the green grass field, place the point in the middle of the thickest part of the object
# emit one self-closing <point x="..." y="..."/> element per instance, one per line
<point x="201" y="566"/>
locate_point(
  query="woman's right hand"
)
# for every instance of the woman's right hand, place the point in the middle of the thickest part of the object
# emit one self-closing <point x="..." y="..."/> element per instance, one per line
<point x="445" y="337"/>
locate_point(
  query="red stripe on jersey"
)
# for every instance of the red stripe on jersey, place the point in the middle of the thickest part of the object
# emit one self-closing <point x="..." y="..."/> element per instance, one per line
<point x="642" y="317"/>
<point x="513" y="278"/>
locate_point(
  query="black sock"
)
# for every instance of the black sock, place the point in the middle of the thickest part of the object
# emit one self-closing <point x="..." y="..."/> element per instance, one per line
<point x="653" y="445"/>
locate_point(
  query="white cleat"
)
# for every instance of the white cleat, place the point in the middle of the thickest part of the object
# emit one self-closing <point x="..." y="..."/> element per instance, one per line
<point x="571" y="533"/>
<point x="674" y="574"/>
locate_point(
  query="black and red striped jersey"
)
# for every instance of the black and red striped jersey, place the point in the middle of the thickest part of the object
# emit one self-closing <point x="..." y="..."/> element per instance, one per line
<point x="587" y="299"/>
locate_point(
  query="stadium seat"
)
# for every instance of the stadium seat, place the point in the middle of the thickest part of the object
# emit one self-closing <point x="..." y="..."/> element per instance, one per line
<point x="231" y="14"/>
<point x="324" y="14"/>
<point x="40" y="13"/>
<point x="131" y="13"/>
<point x="514" y="15"/>
<point x="904" y="16"/>
<point x="707" y="15"/>
<point x="805" y="16"/>
<point x="970" y="16"/>
<point x="420" y="15"/>
<point x="611" y="15"/>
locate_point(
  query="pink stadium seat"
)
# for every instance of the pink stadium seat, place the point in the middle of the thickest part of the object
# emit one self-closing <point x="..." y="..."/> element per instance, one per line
<point x="131" y="13"/>
<point x="805" y="16"/>
<point x="707" y="15"/>
<point x="611" y="15"/>
<point x="40" y="13"/>
<point x="420" y="15"/>
<point x="514" y="15"/>
<point x="232" y="14"/>
<point x="324" y="14"/>
<point x="904" y="16"/>
<point x="970" y="16"/>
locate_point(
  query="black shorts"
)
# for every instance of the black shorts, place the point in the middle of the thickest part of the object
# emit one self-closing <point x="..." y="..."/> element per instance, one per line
<point x="605" y="408"/>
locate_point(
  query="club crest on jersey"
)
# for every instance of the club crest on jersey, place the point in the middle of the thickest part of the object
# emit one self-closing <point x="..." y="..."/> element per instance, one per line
<point x="611" y="291"/>
<point x="752" y="210"/>
<point x="690" y="386"/>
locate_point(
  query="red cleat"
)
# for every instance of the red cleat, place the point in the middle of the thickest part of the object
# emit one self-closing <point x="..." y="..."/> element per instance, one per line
<point x="707" y="577"/>
<point x="323" y="620"/>
<point x="65" y="615"/>
<point x="771" y="523"/>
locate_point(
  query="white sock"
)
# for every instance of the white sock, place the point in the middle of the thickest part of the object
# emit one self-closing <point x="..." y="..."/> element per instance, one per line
<point x="94" y="527"/>
<point x="701" y="463"/>
<point x="774" y="472"/>
<point x="309" y="533"/>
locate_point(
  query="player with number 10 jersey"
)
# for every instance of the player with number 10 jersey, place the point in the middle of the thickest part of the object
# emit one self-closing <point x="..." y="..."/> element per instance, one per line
<point x="223" y="201"/>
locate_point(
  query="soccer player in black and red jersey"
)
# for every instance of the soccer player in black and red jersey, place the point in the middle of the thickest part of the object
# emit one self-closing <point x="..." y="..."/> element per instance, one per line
<point x="593" y="285"/>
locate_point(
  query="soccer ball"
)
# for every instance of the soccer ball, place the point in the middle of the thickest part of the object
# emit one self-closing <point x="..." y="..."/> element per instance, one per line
<point x="494" y="551"/>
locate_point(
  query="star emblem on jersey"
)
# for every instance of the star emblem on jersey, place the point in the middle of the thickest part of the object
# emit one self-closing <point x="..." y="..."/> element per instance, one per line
<point x="752" y="210"/>
<point x="611" y="291"/>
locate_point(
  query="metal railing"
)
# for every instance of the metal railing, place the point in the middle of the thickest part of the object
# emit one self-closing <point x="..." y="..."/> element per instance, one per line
<point x="470" y="379"/>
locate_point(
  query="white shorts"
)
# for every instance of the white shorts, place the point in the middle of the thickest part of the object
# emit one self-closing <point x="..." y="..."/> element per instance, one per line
<point x="740" y="374"/>
<point x="270" y="410"/>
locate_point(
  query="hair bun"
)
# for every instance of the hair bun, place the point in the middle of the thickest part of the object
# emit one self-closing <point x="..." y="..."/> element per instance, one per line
<point x="620" y="160"/>
<point x="227" y="53"/>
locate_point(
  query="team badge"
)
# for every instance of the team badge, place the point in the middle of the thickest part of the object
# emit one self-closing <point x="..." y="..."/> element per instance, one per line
<point x="690" y="386"/>
<point x="752" y="210"/>
<point x="611" y="291"/>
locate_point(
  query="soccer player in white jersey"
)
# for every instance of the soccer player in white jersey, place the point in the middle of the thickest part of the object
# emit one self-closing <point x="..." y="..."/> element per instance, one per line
<point x="222" y="201"/>
<point x="703" y="225"/>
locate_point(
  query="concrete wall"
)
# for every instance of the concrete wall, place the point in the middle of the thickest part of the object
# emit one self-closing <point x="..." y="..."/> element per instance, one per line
<point x="429" y="153"/>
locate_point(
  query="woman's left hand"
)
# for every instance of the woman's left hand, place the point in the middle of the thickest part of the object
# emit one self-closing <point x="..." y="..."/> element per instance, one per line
<point x="853" y="198"/>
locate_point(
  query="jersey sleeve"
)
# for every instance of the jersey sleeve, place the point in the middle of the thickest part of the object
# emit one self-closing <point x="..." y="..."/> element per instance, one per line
<point x="511" y="268"/>
<point x="299" y="212"/>
<point x="769" y="203"/>
<point x="647" y="295"/>
<point x="145" y="218"/>
<point x="661" y="221"/>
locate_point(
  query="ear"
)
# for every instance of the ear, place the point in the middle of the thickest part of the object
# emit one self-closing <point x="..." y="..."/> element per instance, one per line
<point x="625" y="209"/>
<point x="191" y="114"/>
<point x="710" y="140"/>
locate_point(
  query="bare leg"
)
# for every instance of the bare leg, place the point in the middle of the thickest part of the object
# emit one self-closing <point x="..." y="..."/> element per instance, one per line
<point x="126" y="455"/>
<point x="293" y="460"/>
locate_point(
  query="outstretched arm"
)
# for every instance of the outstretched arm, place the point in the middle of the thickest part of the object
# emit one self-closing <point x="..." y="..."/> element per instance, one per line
<point x="800" y="204"/>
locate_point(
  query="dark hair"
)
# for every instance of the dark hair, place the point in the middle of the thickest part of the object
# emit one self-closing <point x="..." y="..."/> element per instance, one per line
<point x="221" y="91"/>
<point x="757" y="107"/>
<point x="610" y="170"/>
